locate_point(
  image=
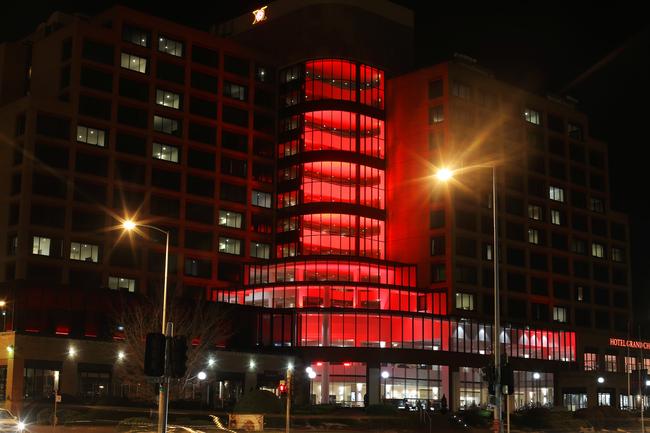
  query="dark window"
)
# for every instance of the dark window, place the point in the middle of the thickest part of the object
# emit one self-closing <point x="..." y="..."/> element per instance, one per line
<point x="235" y="91"/>
<point x="574" y="130"/>
<point x="539" y="311"/>
<point x="261" y="223"/>
<point x="597" y="159"/>
<point x="539" y="286"/>
<point x="48" y="185"/>
<point x="43" y="272"/>
<point x="125" y="256"/>
<point x="438" y="246"/>
<point x="202" y="107"/>
<point x="619" y="276"/>
<point x="620" y="299"/>
<point x="597" y="181"/>
<point x="66" y="49"/>
<point x="205" y="56"/>
<point x="163" y="206"/>
<point x="166" y="179"/>
<point x="556" y="146"/>
<point x="198" y="240"/>
<point x="466" y="274"/>
<point x="559" y="241"/>
<point x="229" y="271"/>
<point x="536" y="141"/>
<point x="555" y="123"/>
<point x="55" y="127"/>
<point x="199" y="213"/>
<point x="234" y="167"/>
<point x="579" y="222"/>
<point x="435" y="89"/>
<point x="515" y="181"/>
<point x="437" y="219"/>
<point x="127" y="199"/>
<point x="262" y="172"/>
<point x="88" y="221"/>
<point x="466" y="220"/>
<point x="201" y="159"/>
<point x="95" y="107"/>
<point x="235" y="116"/>
<point x="438" y="273"/>
<point x="583" y="317"/>
<point x="132" y="116"/>
<point x="202" y="133"/>
<point x="233" y="141"/>
<point x="560" y="265"/>
<point x="263" y="123"/>
<point x="515" y="231"/>
<point x="537" y="164"/>
<point x="170" y="72"/>
<point x="16" y="183"/>
<point x="578" y="176"/>
<point x="618" y="231"/>
<point x="537" y="187"/>
<point x="488" y="278"/>
<point x="235" y="65"/>
<point x="157" y="259"/>
<point x="50" y="216"/>
<point x="98" y="80"/>
<point x="264" y="98"/>
<point x="514" y="206"/>
<point x="234" y="193"/>
<point x="580" y="269"/>
<point x="561" y="290"/>
<point x="621" y="322"/>
<point x="516" y="308"/>
<point x="601" y="273"/>
<point x="91" y="164"/>
<point x="200" y="186"/>
<point x="53" y="156"/>
<point x="98" y="52"/>
<point x="263" y="148"/>
<point x="134" y="89"/>
<point x="205" y="82"/>
<point x="577" y="152"/>
<point x="599" y="227"/>
<point x="557" y="169"/>
<point x="579" y="199"/>
<point x="198" y="268"/>
<point x="516" y="257"/>
<point x="131" y="144"/>
<point x="128" y="172"/>
<point x="136" y="35"/>
<point x="538" y="261"/>
<point x="602" y="320"/>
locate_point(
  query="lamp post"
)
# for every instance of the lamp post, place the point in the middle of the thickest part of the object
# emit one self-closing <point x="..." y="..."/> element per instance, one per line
<point x="289" y="387"/>
<point x="445" y="175"/>
<point x="3" y="304"/>
<point x="385" y="375"/>
<point x="167" y="330"/>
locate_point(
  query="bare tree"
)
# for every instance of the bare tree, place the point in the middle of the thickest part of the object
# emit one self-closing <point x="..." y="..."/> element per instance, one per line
<point x="204" y="324"/>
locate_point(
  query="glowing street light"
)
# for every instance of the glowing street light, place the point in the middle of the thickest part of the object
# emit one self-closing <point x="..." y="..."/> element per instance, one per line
<point x="444" y="174"/>
<point x="128" y="225"/>
<point x="600" y="379"/>
<point x="202" y="375"/>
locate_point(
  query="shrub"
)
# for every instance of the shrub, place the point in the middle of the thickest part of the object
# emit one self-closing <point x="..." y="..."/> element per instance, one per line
<point x="381" y="409"/>
<point x="259" y="401"/>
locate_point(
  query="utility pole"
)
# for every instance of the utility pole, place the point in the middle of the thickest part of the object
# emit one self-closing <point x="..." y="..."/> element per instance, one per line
<point x="289" y="386"/>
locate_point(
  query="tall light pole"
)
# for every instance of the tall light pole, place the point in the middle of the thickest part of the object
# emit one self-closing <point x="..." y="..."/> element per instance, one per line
<point x="167" y="330"/>
<point x="3" y="304"/>
<point x="385" y="375"/>
<point x="445" y="175"/>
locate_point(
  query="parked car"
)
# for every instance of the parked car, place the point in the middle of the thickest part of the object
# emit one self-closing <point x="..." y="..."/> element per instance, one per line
<point x="10" y="423"/>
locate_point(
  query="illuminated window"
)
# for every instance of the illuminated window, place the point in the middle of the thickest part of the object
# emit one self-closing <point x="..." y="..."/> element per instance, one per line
<point x="630" y="364"/>
<point x="618" y="255"/>
<point x="573" y="402"/>
<point x="170" y="46"/>
<point x="604" y="399"/>
<point x="84" y="252"/>
<point x="290" y="74"/>
<point x="96" y="137"/>
<point x="168" y="99"/>
<point x="119" y="283"/>
<point x="135" y="35"/>
<point x="167" y="125"/>
<point x="235" y="91"/>
<point x="261" y="74"/>
<point x="436" y="114"/>
<point x="229" y="245"/>
<point x="556" y="217"/>
<point x="230" y="219"/>
<point x="488" y="252"/>
<point x="165" y="152"/>
<point x="610" y="363"/>
<point x="556" y="193"/>
<point x="41" y="246"/>
<point x="465" y="301"/>
<point x="532" y="116"/>
<point x="560" y="314"/>
<point x="261" y="199"/>
<point x="590" y="361"/>
<point x="134" y="63"/>
<point x="596" y="205"/>
<point x="535" y="212"/>
<point x="260" y="250"/>
<point x="598" y="250"/>
<point x="533" y="236"/>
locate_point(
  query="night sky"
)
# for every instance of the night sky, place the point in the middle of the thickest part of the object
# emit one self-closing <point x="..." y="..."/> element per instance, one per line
<point x="540" y="53"/>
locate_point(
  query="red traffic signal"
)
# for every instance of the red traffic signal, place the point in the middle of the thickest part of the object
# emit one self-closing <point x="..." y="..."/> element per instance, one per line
<point x="282" y="388"/>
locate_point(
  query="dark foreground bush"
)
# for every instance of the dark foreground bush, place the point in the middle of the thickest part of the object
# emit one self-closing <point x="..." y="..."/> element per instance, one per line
<point x="531" y="417"/>
<point x="259" y="401"/>
<point x="475" y="417"/>
<point x="382" y="409"/>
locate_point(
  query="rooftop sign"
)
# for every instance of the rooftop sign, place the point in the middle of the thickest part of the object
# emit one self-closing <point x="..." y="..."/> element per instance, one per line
<point x="619" y="342"/>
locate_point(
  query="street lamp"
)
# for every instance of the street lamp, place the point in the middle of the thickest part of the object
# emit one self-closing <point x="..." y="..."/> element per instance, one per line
<point x="167" y="328"/>
<point x="444" y="175"/>
<point x="3" y="304"/>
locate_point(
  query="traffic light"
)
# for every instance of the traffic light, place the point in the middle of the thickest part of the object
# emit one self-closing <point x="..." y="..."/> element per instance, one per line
<point x="154" y="355"/>
<point x="507" y="379"/>
<point x="282" y="388"/>
<point x="178" y="356"/>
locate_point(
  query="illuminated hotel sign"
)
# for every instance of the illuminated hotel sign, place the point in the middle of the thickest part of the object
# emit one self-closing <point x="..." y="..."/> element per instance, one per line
<point x="619" y="342"/>
<point x="259" y="15"/>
